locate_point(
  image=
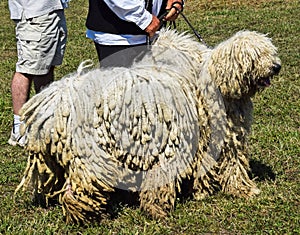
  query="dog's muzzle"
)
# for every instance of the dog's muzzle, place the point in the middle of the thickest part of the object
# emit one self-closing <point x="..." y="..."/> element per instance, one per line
<point x="276" y="68"/>
<point x="266" y="81"/>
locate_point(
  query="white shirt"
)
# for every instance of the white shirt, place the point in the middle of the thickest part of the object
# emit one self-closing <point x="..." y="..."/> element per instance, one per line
<point x="32" y="8"/>
<point x="129" y="10"/>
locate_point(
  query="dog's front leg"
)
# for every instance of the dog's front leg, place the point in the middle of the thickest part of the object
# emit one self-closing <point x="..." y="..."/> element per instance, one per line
<point x="233" y="170"/>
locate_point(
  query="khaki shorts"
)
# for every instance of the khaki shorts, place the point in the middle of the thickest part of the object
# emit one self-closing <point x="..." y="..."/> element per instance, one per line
<point x="41" y="42"/>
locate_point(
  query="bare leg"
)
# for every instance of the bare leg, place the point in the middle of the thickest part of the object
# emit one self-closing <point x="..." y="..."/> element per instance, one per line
<point x="20" y="88"/>
<point x="42" y="81"/>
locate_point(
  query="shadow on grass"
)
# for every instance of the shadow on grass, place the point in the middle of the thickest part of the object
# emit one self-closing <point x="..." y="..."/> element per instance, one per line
<point x="123" y="198"/>
<point x="261" y="171"/>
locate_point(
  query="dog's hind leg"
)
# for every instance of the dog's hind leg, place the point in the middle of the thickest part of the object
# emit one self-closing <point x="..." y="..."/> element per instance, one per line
<point x="204" y="177"/>
<point x="157" y="198"/>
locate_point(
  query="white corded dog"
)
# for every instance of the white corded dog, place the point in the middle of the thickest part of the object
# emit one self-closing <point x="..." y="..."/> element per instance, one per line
<point x="183" y="112"/>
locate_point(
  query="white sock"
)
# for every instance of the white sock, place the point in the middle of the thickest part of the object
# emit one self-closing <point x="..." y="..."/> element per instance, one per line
<point x="17" y="123"/>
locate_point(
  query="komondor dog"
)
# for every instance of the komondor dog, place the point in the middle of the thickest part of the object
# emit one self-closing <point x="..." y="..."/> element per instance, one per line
<point x="182" y="113"/>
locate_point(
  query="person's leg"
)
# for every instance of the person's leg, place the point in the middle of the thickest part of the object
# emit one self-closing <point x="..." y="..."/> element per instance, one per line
<point x="119" y="55"/>
<point x="20" y="90"/>
<point x="42" y="81"/>
<point x="108" y="57"/>
<point x="41" y="45"/>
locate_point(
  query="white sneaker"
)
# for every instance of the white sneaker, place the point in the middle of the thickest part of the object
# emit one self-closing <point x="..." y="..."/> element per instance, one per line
<point x="16" y="139"/>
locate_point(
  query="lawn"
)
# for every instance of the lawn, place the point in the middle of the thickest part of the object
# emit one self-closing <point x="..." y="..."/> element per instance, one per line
<point x="275" y="138"/>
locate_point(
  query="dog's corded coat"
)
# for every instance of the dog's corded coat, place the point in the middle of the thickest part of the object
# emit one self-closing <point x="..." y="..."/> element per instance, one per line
<point x="182" y="112"/>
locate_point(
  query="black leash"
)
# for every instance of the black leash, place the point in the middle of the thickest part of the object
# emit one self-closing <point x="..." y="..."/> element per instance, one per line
<point x="193" y="29"/>
<point x="161" y="18"/>
<point x="188" y="22"/>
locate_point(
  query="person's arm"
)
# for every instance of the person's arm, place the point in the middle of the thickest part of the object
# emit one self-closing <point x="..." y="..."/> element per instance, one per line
<point x="131" y="11"/>
<point x="134" y="11"/>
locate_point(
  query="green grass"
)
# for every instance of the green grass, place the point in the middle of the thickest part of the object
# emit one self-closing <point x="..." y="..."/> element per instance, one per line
<point x="275" y="139"/>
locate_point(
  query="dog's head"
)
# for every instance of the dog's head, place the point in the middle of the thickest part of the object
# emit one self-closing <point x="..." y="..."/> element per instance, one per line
<point x="244" y="64"/>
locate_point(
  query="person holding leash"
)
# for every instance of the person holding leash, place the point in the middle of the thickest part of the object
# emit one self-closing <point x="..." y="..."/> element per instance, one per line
<point x="118" y="25"/>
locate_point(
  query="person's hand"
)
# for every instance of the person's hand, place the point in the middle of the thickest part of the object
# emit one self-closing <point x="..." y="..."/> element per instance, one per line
<point x="173" y="13"/>
<point x="153" y="26"/>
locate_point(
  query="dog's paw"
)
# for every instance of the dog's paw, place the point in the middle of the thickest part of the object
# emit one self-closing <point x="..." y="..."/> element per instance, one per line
<point x="155" y="211"/>
<point x="253" y="191"/>
<point x="200" y="195"/>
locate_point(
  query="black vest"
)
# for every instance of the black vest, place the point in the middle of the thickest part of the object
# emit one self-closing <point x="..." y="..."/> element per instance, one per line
<point x="101" y="18"/>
